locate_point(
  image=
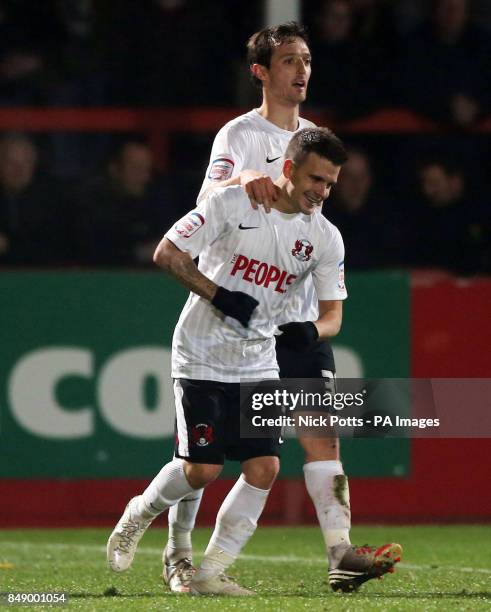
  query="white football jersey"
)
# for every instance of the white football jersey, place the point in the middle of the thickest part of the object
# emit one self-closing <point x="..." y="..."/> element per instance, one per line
<point x="268" y="256"/>
<point x="252" y="142"/>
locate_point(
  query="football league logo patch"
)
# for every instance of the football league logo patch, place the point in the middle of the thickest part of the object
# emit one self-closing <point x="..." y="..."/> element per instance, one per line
<point x="341" y="284"/>
<point x="302" y="250"/>
<point x="221" y="169"/>
<point x="189" y="224"/>
<point x="202" y="434"/>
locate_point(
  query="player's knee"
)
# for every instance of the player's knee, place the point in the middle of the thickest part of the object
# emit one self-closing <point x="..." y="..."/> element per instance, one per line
<point x="261" y="472"/>
<point x="200" y="474"/>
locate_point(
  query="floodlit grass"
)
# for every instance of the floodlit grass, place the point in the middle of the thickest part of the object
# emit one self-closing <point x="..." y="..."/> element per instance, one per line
<point x="443" y="568"/>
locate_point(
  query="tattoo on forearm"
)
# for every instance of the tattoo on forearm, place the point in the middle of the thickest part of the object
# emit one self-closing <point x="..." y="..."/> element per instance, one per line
<point x="186" y="272"/>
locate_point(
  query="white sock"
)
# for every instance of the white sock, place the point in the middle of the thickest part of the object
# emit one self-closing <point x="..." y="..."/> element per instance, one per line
<point x="328" y="487"/>
<point x="235" y="524"/>
<point x="167" y="488"/>
<point x="182" y="517"/>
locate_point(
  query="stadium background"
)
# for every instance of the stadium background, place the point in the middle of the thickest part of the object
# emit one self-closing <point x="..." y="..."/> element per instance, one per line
<point x="85" y="403"/>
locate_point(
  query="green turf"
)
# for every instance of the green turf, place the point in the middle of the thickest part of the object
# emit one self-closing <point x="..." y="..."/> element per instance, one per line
<point x="444" y="568"/>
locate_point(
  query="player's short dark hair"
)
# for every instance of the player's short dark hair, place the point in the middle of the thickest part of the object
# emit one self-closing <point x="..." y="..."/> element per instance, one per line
<point x="260" y="45"/>
<point x="318" y="140"/>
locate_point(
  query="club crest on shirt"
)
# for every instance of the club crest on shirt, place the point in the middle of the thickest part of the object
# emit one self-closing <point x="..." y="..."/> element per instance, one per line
<point x="202" y="434"/>
<point x="221" y="169"/>
<point x="341" y="275"/>
<point x="189" y="224"/>
<point x="302" y="250"/>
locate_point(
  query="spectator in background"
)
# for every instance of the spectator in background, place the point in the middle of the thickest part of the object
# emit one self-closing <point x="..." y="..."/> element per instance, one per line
<point x="375" y="22"/>
<point x="450" y="230"/>
<point x="372" y="234"/>
<point x="82" y="75"/>
<point x="32" y="208"/>
<point x="27" y="32"/>
<point x="446" y="66"/>
<point x="408" y="13"/>
<point x="120" y="214"/>
<point x="347" y="70"/>
<point x="51" y="55"/>
<point x="481" y="13"/>
<point x="154" y="46"/>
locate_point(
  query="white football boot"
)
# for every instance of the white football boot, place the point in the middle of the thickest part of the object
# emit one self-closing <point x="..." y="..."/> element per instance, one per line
<point x="219" y="585"/>
<point x="122" y="543"/>
<point x="177" y="574"/>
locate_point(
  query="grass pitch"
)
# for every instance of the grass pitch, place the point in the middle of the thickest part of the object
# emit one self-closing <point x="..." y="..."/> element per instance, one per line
<point x="443" y="568"/>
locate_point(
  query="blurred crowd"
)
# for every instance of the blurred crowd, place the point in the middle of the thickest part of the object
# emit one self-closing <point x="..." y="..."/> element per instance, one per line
<point x="433" y="56"/>
<point x="117" y="216"/>
<point x="127" y="52"/>
<point x="438" y="221"/>
<point x="405" y="201"/>
<point x="112" y="218"/>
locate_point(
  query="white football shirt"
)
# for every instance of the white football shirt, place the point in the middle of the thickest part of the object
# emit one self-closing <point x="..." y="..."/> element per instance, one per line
<point x="268" y="256"/>
<point x="252" y="142"/>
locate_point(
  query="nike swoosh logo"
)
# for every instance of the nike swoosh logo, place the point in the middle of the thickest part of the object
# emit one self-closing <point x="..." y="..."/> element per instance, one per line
<point x="248" y="227"/>
<point x="270" y="161"/>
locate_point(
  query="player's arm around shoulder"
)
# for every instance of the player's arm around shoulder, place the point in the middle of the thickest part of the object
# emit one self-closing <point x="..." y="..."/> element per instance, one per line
<point x="226" y="161"/>
<point x="259" y="188"/>
<point x="227" y="170"/>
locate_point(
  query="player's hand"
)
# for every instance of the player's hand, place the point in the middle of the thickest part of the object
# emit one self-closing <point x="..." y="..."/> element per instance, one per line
<point x="298" y="336"/>
<point x="235" y="304"/>
<point x="260" y="189"/>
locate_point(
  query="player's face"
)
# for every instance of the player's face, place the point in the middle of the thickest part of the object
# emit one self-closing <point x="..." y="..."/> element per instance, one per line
<point x="288" y="75"/>
<point x="310" y="183"/>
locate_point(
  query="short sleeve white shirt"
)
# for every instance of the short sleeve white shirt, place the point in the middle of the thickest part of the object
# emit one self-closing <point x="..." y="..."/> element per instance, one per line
<point x="252" y="142"/>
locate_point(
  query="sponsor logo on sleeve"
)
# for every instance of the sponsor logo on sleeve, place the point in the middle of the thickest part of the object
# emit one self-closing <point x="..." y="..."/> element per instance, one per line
<point x="189" y="224"/>
<point x="341" y="275"/>
<point x="221" y="169"/>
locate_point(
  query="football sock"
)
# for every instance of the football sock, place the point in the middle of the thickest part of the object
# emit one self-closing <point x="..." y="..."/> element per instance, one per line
<point x="235" y="524"/>
<point x="328" y="487"/>
<point x="167" y="488"/>
<point x="182" y="517"/>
